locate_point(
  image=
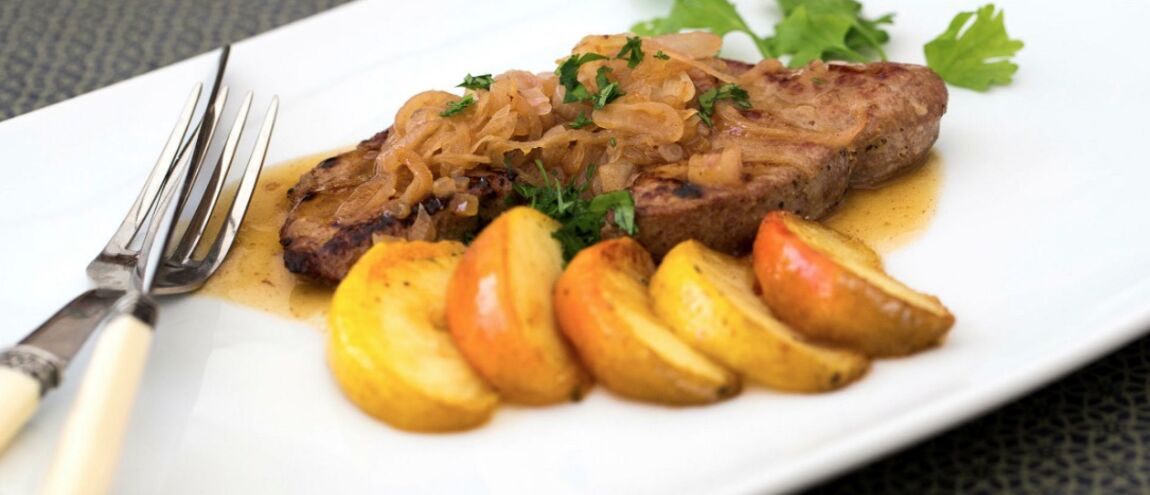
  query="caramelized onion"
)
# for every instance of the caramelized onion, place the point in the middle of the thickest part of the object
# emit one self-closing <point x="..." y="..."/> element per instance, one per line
<point x="716" y="169"/>
<point x="464" y="205"/>
<point x="654" y="126"/>
<point x="615" y="176"/>
<point x="655" y="121"/>
<point x="443" y="187"/>
<point x="423" y="228"/>
<point x="695" y="44"/>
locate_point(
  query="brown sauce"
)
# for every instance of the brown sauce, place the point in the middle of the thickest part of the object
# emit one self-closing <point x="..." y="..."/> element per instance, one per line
<point x="893" y="214"/>
<point x="253" y="274"/>
<point x="886" y="218"/>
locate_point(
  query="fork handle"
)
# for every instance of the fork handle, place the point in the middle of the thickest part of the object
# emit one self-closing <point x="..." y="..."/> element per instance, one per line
<point x="89" y="446"/>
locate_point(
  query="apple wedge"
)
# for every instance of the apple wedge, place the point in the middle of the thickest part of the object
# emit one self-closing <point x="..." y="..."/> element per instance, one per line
<point x="501" y="315"/>
<point x="604" y="308"/>
<point x="831" y="288"/>
<point x="389" y="348"/>
<point x="708" y="299"/>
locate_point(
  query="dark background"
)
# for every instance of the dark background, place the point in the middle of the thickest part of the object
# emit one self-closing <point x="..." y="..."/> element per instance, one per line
<point x="1089" y="432"/>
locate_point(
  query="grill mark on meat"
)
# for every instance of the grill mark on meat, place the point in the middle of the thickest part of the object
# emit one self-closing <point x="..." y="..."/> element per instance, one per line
<point x="687" y="190"/>
<point x="902" y="104"/>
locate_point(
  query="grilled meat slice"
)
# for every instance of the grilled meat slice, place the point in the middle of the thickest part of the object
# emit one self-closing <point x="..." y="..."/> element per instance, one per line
<point x="901" y="106"/>
<point x="670" y="210"/>
<point x="317" y="245"/>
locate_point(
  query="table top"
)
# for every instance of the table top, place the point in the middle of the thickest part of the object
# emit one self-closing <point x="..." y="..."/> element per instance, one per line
<point x="1086" y="432"/>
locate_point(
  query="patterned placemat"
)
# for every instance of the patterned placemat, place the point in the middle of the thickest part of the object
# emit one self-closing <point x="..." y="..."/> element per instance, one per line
<point x="1088" y="433"/>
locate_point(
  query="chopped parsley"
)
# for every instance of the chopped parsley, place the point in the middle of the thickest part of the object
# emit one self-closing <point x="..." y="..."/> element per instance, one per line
<point x="979" y="56"/>
<point x="612" y="141"/>
<point x="662" y="56"/>
<point x="632" y="51"/>
<point x="454" y="107"/>
<point x="729" y="91"/>
<point x="581" y="220"/>
<point x="568" y="73"/>
<point x="476" y="82"/>
<point x="581" y="121"/>
<point x="608" y="90"/>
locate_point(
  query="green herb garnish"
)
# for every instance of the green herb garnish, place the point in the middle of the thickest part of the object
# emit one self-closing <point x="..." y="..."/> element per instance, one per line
<point x="978" y="56"/>
<point x="828" y="30"/>
<point x="716" y="16"/>
<point x="729" y="91"/>
<point x="568" y="73"/>
<point x="582" y="220"/>
<point x="608" y="90"/>
<point x="662" y="56"/>
<point x="612" y="141"/>
<point x="476" y="82"/>
<point x="581" y="121"/>
<point x="810" y="29"/>
<point x="632" y="51"/>
<point x="455" y="107"/>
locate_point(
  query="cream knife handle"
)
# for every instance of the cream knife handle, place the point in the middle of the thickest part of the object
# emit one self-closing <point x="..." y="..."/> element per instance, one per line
<point x="21" y="395"/>
<point x="89" y="446"/>
<point x="33" y="367"/>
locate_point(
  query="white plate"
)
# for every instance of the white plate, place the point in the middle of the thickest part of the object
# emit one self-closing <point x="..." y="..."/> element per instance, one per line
<point x="1041" y="247"/>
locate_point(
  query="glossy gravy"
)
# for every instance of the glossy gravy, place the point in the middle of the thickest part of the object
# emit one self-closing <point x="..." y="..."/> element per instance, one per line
<point x="893" y="214"/>
<point x="254" y="275"/>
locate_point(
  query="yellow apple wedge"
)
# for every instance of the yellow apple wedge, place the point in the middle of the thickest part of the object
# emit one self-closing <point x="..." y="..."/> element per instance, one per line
<point x="604" y="308"/>
<point x="501" y="315"/>
<point x="829" y="287"/>
<point x="388" y="345"/>
<point x="708" y="299"/>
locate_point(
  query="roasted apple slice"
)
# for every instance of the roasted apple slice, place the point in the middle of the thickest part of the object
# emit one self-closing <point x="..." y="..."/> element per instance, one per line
<point x="501" y="315"/>
<point x="832" y="289"/>
<point x="604" y="308"/>
<point x="389" y="348"/>
<point x="708" y="299"/>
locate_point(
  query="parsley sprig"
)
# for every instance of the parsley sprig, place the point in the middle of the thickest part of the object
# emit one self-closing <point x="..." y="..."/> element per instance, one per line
<point x="476" y="82"/>
<point x="581" y="121"/>
<point x="828" y="30"/>
<point x="632" y="51"/>
<point x="582" y="220"/>
<point x="716" y="16"/>
<point x="608" y="90"/>
<point x="975" y="58"/>
<point x="729" y="91"/>
<point x="568" y="73"/>
<point x="454" y="107"/>
<point x="978" y="56"/>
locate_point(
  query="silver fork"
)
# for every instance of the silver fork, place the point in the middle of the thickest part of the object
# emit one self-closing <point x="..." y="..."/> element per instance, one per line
<point x="169" y="263"/>
<point x="35" y="366"/>
<point x="148" y="255"/>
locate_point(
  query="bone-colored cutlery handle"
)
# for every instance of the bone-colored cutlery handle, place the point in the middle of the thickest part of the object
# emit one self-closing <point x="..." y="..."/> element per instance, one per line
<point x="88" y="450"/>
<point x="21" y="395"/>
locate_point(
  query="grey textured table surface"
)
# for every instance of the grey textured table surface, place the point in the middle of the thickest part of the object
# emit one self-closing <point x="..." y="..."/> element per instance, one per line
<point x="1087" y="433"/>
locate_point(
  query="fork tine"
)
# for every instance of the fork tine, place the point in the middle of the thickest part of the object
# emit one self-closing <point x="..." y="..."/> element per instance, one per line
<point x="251" y="173"/>
<point x="206" y="204"/>
<point x="161" y="225"/>
<point x="118" y="244"/>
<point x="203" y="140"/>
